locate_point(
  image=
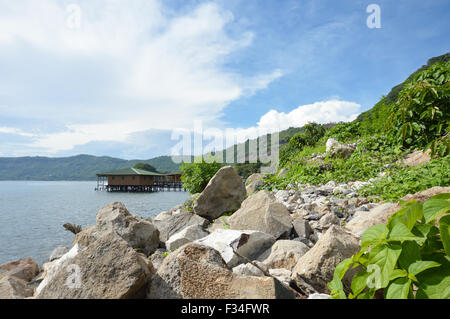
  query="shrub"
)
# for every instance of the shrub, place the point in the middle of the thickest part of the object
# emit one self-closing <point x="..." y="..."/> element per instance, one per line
<point x="311" y="134"/>
<point x="344" y="132"/>
<point x="408" y="258"/>
<point x="421" y="115"/>
<point x="408" y="180"/>
<point x="195" y="176"/>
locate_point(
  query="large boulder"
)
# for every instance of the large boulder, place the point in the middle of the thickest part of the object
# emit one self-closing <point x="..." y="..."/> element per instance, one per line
<point x="262" y="212"/>
<point x="58" y="252"/>
<point x="224" y="193"/>
<point x="380" y="214"/>
<point x="330" y="144"/>
<point x="253" y="178"/>
<point x="187" y="235"/>
<point x="336" y="149"/>
<point x="177" y="222"/>
<point x="108" y="269"/>
<point x="12" y="287"/>
<point x="50" y="269"/>
<point x="427" y="194"/>
<point x="249" y="269"/>
<point x="252" y="245"/>
<point x="364" y="219"/>
<point x="139" y="233"/>
<point x="25" y="269"/>
<point x="198" y="272"/>
<point x="254" y="182"/>
<point x="284" y="254"/>
<point x="302" y="227"/>
<point x="316" y="268"/>
<point x="417" y="158"/>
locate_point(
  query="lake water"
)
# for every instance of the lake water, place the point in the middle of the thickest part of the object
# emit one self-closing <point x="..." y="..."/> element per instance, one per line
<point x="32" y="213"/>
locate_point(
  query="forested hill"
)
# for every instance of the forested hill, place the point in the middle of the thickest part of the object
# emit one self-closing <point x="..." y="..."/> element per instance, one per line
<point x="78" y="168"/>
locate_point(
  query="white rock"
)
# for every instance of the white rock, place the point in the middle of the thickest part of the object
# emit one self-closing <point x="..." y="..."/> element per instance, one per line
<point x="187" y="235"/>
<point x="257" y="242"/>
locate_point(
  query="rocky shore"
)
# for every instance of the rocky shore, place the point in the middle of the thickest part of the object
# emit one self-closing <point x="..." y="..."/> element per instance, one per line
<point x="231" y="241"/>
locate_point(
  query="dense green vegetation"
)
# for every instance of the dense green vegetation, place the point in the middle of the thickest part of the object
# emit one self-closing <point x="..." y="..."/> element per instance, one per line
<point x="421" y="115"/>
<point x="78" y="168"/>
<point x="418" y="119"/>
<point x="408" y="258"/>
<point x="195" y="176"/>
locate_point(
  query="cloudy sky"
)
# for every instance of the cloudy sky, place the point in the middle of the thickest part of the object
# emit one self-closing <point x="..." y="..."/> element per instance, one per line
<point x="116" y="77"/>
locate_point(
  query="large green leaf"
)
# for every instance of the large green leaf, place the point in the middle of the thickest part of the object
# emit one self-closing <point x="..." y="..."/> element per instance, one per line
<point x="434" y="283"/>
<point x="441" y="196"/>
<point x="407" y="216"/>
<point x="342" y="267"/>
<point x="384" y="259"/>
<point x="399" y="289"/>
<point x="413" y="213"/>
<point x="434" y="286"/>
<point x="373" y="234"/>
<point x="434" y="208"/>
<point x="421" y="265"/>
<point x="422" y="230"/>
<point x="359" y="282"/>
<point x="444" y="228"/>
<point x="401" y="233"/>
<point x="410" y="254"/>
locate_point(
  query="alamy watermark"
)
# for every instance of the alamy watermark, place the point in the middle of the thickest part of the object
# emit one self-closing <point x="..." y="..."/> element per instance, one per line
<point x="73" y="281"/>
<point x="374" y="19"/>
<point x="261" y="145"/>
<point x="74" y="15"/>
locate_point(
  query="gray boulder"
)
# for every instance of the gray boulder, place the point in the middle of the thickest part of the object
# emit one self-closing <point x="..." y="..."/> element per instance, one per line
<point x="253" y="244"/>
<point x="362" y="219"/>
<point x="302" y="227"/>
<point x="157" y="258"/>
<point x="283" y="254"/>
<point x="336" y="149"/>
<point x="114" y="218"/>
<point x="250" y="270"/>
<point x="224" y="193"/>
<point x="262" y="212"/>
<point x="316" y="268"/>
<point x="187" y="235"/>
<point x="58" y="252"/>
<point x="12" y="287"/>
<point x="138" y="233"/>
<point x="283" y="275"/>
<point x="327" y="220"/>
<point x="108" y="269"/>
<point x="198" y="272"/>
<point x="25" y="269"/>
<point x="176" y="223"/>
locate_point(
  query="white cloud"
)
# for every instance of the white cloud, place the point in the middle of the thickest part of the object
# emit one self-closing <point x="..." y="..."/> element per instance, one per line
<point x="15" y="131"/>
<point x="156" y="69"/>
<point x="319" y="112"/>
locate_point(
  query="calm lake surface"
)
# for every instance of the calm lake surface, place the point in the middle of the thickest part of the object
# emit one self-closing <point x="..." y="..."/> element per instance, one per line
<point x="32" y="213"/>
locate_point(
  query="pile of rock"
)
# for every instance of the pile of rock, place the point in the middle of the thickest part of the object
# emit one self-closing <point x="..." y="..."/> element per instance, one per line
<point x="282" y="244"/>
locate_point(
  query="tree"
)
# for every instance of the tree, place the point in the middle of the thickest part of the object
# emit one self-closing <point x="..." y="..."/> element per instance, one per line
<point x="195" y="176"/>
<point x="145" y="167"/>
<point x="421" y="115"/>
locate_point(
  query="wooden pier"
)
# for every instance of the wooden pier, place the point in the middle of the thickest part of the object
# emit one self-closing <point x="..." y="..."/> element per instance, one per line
<point x="138" y="181"/>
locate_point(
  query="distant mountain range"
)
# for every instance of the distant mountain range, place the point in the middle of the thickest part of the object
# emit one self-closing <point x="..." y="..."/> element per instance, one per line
<point x="85" y="167"/>
<point x="77" y="168"/>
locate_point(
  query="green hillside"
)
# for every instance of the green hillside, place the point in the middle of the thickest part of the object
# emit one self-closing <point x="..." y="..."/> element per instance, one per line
<point x="80" y="167"/>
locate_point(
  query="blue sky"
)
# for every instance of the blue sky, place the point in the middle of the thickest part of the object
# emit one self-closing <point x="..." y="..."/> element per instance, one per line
<point x="121" y="79"/>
